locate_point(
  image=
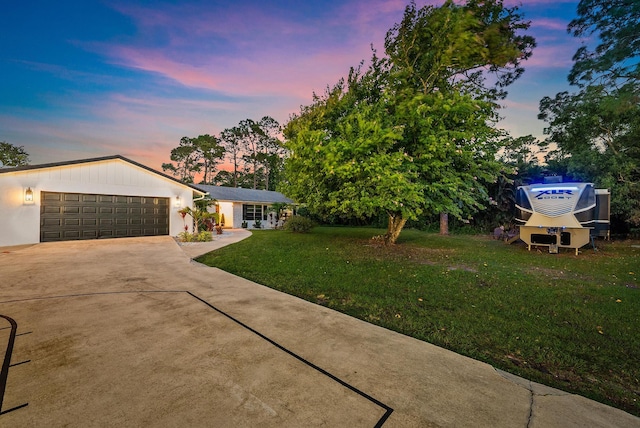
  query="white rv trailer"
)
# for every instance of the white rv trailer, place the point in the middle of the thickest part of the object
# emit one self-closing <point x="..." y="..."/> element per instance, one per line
<point x="562" y="215"/>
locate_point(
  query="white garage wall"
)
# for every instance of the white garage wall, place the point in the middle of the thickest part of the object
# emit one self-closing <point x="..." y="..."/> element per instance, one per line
<point x="20" y="221"/>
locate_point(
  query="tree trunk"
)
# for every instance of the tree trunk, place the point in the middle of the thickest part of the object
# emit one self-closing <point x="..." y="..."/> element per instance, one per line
<point x="444" y="224"/>
<point x="235" y="172"/>
<point x="396" y="223"/>
<point x="255" y="173"/>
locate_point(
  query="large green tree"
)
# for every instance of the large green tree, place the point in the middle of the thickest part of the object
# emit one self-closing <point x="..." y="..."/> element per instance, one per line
<point x="11" y="155"/>
<point x="272" y="152"/>
<point x="211" y="154"/>
<point x="414" y="132"/>
<point x="185" y="161"/>
<point x="256" y="153"/>
<point x="597" y="127"/>
<point x="231" y="139"/>
<point x="194" y="156"/>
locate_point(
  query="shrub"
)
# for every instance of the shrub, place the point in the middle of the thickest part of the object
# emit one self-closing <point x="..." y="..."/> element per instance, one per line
<point x="203" y="236"/>
<point x="299" y="224"/>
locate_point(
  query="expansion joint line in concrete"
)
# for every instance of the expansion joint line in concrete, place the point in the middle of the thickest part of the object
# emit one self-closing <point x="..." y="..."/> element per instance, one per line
<point x="388" y="410"/>
<point x="6" y="364"/>
<point x="532" y="397"/>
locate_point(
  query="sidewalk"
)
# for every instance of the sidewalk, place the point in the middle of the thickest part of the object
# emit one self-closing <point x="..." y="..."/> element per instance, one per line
<point x="229" y="236"/>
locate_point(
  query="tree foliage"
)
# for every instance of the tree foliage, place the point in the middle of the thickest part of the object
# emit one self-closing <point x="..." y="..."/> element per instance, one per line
<point x="255" y="152"/>
<point x="614" y="59"/>
<point x="232" y="142"/>
<point x="253" y="148"/>
<point x="454" y="48"/>
<point x="11" y="155"/>
<point x="211" y="154"/>
<point x="597" y="128"/>
<point x="413" y="132"/>
<point x="187" y="161"/>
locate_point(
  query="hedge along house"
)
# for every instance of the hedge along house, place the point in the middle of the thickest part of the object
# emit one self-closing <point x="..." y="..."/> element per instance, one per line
<point x="104" y="197"/>
<point x="245" y="205"/>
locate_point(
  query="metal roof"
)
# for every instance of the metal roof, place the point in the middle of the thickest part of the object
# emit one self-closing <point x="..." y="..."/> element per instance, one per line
<point x="238" y="194"/>
<point x="99" y="159"/>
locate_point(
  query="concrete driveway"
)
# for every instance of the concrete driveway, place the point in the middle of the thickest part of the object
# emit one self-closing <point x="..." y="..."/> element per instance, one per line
<point x="132" y="332"/>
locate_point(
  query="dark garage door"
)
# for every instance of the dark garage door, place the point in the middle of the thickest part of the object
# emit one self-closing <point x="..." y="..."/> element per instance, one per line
<point x="69" y="216"/>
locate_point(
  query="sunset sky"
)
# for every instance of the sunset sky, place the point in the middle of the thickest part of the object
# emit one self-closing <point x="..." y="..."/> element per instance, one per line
<point x="89" y="78"/>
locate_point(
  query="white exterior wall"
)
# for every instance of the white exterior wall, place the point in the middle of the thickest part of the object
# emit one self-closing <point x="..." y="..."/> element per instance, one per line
<point x="226" y="208"/>
<point x="20" y="221"/>
<point x="237" y="214"/>
<point x="233" y="215"/>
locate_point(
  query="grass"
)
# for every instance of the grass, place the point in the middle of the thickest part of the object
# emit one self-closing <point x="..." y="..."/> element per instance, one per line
<point x="562" y="320"/>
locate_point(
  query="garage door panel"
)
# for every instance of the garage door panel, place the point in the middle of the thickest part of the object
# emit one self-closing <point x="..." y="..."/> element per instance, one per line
<point x="51" y="236"/>
<point x="68" y="216"/>
<point x="53" y="197"/>
<point x="70" y="234"/>
<point x="47" y="209"/>
<point x="53" y="222"/>
<point x="107" y="233"/>
<point x="89" y="234"/>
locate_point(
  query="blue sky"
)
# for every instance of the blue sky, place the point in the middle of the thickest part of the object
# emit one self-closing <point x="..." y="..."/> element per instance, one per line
<point x="86" y="78"/>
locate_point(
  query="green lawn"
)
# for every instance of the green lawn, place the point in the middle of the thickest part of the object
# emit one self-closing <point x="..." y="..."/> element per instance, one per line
<point x="559" y="319"/>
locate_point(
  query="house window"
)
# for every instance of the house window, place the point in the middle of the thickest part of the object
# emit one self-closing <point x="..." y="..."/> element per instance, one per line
<point x="254" y="212"/>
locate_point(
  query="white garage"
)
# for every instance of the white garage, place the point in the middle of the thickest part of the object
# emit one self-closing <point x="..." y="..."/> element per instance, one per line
<point x="105" y="197"/>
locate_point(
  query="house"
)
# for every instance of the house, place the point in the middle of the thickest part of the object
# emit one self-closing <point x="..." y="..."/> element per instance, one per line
<point x="103" y="197"/>
<point x="246" y="205"/>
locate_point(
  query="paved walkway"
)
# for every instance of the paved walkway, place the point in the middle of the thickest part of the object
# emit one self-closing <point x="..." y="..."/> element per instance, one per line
<point x="132" y="332"/>
<point x="229" y="236"/>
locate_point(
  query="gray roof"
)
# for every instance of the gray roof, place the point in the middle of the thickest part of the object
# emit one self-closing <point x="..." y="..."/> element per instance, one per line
<point x="238" y="194"/>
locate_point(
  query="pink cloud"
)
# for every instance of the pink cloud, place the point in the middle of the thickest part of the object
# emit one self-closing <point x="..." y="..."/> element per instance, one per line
<point x="522" y="106"/>
<point x="531" y="3"/>
<point x="549" y="24"/>
<point x="552" y="56"/>
<point x="157" y="62"/>
<point x="235" y="23"/>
